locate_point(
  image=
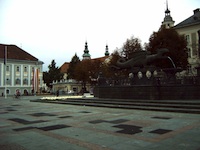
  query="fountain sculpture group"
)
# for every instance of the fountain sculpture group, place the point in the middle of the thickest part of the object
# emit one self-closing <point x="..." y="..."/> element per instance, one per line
<point x="146" y="81"/>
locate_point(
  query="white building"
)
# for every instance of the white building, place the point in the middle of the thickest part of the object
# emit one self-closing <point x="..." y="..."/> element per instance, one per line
<point x="19" y="71"/>
<point x="190" y="28"/>
<point x="168" y="22"/>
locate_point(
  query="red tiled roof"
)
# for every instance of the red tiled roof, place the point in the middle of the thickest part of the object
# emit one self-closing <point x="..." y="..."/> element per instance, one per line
<point x="14" y="52"/>
<point x="102" y="59"/>
<point x="64" y="67"/>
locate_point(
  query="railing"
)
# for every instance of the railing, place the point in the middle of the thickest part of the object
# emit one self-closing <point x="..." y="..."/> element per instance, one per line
<point x="159" y="80"/>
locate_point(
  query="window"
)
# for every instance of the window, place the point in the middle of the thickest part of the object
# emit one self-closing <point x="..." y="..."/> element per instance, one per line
<point x="17" y="81"/>
<point x="7" y="91"/>
<point x="31" y="81"/>
<point x="8" y="81"/>
<point x="17" y="69"/>
<point x="187" y="38"/>
<point x="189" y="53"/>
<point x="25" y="81"/>
<point x="7" y="68"/>
<point x="25" y="69"/>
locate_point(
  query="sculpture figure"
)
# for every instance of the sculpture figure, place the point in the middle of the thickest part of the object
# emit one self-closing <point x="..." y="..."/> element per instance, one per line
<point x="141" y="59"/>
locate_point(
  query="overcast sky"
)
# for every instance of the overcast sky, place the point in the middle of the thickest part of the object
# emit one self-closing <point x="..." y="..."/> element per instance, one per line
<point x="57" y="29"/>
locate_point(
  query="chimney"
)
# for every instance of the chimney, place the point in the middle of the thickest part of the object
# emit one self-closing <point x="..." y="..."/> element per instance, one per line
<point x="196" y="10"/>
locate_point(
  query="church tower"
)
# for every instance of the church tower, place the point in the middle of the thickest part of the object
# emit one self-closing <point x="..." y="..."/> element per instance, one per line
<point x="86" y="54"/>
<point x="168" y="21"/>
<point x="107" y="52"/>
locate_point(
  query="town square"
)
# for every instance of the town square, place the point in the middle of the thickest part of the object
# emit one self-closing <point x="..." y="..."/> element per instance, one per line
<point x="61" y="90"/>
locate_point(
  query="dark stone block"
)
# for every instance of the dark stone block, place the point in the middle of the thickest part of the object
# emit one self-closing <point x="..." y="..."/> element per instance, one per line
<point x="128" y="129"/>
<point x="118" y="121"/>
<point x="97" y="121"/>
<point x="113" y="121"/>
<point x="23" y="129"/>
<point x="84" y="112"/>
<point x="23" y="121"/>
<point x="65" y="117"/>
<point x="160" y="131"/>
<point x="42" y="114"/>
<point x="53" y="127"/>
<point x="151" y="92"/>
<point x="157" y="117"/>
<point x="16" y="105"/>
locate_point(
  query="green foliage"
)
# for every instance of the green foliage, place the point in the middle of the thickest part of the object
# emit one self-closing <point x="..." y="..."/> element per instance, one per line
<point x="130" y="46"/>
<point x="175" y="43"/>
<point x="52" y="75"/>
<point x="86" y="70"/>
<point x="72" y="66"/>
<point x="108" y="69"/>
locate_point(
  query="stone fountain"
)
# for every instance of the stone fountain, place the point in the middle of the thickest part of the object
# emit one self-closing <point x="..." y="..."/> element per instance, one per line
<point x="146" y="81"/>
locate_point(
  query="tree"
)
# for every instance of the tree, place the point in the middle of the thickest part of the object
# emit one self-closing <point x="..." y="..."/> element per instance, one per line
<point x="108" y="67"/>
<point x="175" y="43"/>
<point x="72" y="66"/>
<point x="130" y="46"/>
<point x="52" y="75"/>
<point x="86" y="70"/>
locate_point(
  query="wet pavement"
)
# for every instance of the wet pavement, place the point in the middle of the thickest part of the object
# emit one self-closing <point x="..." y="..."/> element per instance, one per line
<point x="26" y="125"/>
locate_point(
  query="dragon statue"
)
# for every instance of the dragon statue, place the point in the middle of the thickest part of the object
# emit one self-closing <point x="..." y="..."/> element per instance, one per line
<point x="141" y="59"/>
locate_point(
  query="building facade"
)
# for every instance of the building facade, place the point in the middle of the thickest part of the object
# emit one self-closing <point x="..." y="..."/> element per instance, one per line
<point x="66" y="86"/>
<point x="190" y="28"/>
<point x="19" y="71"/>
<point x="168" y="22"/>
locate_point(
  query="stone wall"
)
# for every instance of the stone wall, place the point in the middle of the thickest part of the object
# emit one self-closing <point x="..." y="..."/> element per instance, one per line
<point x="148" y="92"/>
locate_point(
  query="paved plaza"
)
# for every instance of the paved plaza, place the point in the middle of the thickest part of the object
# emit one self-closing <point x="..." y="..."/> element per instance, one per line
<point x="26" y="125"/>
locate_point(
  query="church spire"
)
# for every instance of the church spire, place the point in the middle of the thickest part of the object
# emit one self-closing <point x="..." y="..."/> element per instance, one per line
<point x="167" y="11"/>
<point x="168" y="21"/>
<point x="86" y="54"/>
<point x="106" y="52"/>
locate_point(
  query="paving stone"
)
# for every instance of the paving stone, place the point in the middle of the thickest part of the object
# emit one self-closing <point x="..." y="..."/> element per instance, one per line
<point x="53" y="127"/>
<point x="160" y="131"/>
<point x="82" y="127"/>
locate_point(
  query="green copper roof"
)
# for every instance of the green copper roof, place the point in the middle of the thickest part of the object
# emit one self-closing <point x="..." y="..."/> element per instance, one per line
<point x="86" y="52"/>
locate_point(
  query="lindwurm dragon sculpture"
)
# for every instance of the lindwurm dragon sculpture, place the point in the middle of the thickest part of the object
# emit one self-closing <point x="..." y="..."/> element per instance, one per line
<point x="141" y="59"/>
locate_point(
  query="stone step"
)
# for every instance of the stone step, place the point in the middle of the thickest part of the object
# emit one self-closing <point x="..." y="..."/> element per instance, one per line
<point x="153" y="108"/>
<point x="185" y="106"/>
<point x="138" y="103"/>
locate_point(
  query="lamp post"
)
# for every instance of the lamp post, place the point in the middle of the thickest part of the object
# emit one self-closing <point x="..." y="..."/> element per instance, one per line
<point x="5" y="62"/>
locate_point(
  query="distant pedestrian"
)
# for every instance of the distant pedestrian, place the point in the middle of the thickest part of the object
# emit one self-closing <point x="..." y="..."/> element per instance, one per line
<point x="57" y="93"/>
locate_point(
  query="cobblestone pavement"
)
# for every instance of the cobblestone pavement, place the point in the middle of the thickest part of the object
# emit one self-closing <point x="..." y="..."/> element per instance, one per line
<point x="26" y="125"/>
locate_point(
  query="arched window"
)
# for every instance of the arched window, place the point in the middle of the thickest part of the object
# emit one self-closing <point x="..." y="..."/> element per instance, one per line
<point x="25" y="92"/>
<point x="8" y="81"/>
<point x="7" y="91"/>
<point x="25" y="81"/>
<point x="17" y="81"/>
